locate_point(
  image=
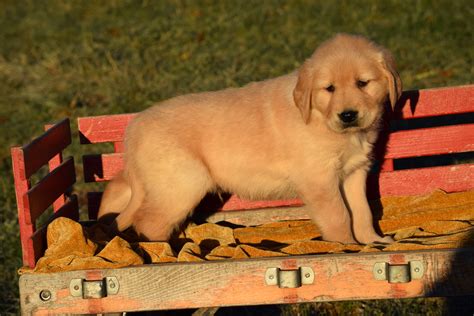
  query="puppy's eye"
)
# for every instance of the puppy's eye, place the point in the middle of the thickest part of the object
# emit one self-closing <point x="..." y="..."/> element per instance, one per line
<point x="361" y="83"/>
<point x="330" y="88"/>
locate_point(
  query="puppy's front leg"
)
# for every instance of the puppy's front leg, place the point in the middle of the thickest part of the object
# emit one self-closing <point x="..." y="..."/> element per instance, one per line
<point x="354" y="187"/>
<point x="327" y="209"/>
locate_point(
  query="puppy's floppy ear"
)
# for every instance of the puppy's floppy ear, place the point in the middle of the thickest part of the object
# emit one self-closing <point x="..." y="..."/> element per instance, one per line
<point x="394" y="82"/>
<point x="302" y="91"/>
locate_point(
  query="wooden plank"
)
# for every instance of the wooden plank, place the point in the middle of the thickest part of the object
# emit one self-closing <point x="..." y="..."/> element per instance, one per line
<point x="431" y="141"/>
<point x="106" y="128"/>
<point x="119" y="147"/>
<point x="104" y="167"/>
<point x="53" y="164"/>
<point x="435" y="102"/>
<point x="242" y="282"/>
<point x="42" y="149"/>
<point x="22" y="185"/>
<point x="46" y="191"/>
<point x="455" y="178"/>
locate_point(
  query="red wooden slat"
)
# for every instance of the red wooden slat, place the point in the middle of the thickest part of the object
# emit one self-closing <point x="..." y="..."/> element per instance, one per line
<point x="70" y="209"/>
<point x="22" y="185"/>
<point x="42" y="149"/>
<point x="436" y="102"/>
<point x="98" y="168"/>
<point x="431" y="141"/>
<point x="119" y="147"/>
<point x="100" y="129"/>
<point x="453" y="178"/>
<point x="45" y="192"/>
<point x="53" y="164"/>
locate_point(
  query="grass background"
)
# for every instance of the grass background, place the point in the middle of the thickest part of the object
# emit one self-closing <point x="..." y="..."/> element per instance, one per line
<point x="75" y="58"/>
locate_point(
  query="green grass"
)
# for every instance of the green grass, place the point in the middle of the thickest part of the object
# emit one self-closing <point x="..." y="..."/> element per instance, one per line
<point x="74" y="58"/>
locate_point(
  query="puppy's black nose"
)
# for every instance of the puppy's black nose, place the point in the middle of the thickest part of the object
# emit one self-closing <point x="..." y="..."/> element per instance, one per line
<point x="348" y="116"/>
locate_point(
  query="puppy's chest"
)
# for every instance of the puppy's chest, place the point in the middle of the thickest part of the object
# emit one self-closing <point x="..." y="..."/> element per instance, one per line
<point x="355" y="154"/>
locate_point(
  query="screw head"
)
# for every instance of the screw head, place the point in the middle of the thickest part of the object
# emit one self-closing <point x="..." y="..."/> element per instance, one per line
<point x="271" y="277"/>
<point x="45" y="295"/>
<point x="307" y="275"/>
<point x="111" y="284"/>
<point x="379" y="271"/>
<point x="417" y="269"/>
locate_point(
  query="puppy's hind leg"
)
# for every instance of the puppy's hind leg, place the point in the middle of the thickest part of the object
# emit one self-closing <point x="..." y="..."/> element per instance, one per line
<point x="327" y="208"/>
<point x="171" y="198"/>
<point x="116" y="196"/>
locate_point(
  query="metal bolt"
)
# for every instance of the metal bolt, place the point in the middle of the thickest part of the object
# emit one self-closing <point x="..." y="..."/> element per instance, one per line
<point x="45" y="295"/>
<point x="417" y="269"/>
<point x="379" y="271"/>
<point x="111" y="284"/>
<point x="271" y="277"/>
<point x="76" y="287"/>
<point x="307" y="275"/>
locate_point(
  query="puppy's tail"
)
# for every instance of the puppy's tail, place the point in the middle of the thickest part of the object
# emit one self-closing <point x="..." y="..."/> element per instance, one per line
<point x="115" y="199"/>
<point x="125" y="219"/>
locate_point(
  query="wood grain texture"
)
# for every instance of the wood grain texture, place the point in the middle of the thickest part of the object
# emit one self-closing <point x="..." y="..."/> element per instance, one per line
<point x="430" y="141"/>
<point x="101" y="129"/>
<point x="241" y="282"/>
<point x="48" y="189"/>
<point x="101" y="167"/>
<point x="53" y="164"/>
<point x="435" y="102"/>
<point x="27" y="226"/>
<point x="455" y="178"/>
<point x="39" y="151"/>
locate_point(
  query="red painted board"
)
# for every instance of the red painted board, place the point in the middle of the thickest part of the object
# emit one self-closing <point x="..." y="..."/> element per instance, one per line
<point x="430" y="141"/>
<point x="48" y="189"/>
<point x="42" y="149"/>
<point x="420" y="181"/>
<point x="100" y="129"/>
<point x="435" y="102"/>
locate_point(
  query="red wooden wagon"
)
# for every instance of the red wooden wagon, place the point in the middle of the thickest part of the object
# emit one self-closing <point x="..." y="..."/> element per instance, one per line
<point x="427" y="123"/>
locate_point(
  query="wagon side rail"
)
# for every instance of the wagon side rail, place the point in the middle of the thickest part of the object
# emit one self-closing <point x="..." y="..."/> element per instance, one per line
<point x="425" y="123"/>
<point x="51" y="190"/>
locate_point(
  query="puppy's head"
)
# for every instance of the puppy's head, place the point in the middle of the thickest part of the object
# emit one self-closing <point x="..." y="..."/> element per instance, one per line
<point x="346" y="82"/>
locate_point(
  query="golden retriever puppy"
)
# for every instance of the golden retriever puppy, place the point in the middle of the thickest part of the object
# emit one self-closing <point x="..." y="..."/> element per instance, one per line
<point x="308" y="134"/>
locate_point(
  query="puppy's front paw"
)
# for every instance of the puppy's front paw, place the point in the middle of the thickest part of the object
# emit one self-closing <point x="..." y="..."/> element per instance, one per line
<point x="377" y="240"/>
<point x="385" y="240"/>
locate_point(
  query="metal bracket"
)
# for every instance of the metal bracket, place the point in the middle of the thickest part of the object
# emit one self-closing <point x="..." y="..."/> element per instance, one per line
<point x="94" y="289"/>
<point x="398" y="273"/>
<point x="289" y="278"/>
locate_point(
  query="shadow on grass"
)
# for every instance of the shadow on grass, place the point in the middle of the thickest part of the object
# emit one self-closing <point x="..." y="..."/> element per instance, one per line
<point x="458" y="281"/>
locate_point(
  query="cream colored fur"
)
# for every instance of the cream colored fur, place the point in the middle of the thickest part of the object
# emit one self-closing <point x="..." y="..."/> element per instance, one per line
<point x="278" y="138"/>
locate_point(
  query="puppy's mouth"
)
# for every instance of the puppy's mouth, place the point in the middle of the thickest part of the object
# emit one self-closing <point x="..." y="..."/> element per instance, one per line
<point x="358" y="125"/>
<point x="351" y="125"/>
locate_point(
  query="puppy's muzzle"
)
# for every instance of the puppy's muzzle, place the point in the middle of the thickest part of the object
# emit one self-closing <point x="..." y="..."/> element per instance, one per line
<point x="349" y="118"/>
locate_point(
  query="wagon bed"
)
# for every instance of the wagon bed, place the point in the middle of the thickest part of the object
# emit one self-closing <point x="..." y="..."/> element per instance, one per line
<point x="427" y="146"/>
